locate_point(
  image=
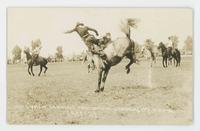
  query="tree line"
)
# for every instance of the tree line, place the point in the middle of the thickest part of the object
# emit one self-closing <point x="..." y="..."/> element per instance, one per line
<point x="149" y="43"/>
<point x="17" y="53"/>
<point x="58" y="56"/>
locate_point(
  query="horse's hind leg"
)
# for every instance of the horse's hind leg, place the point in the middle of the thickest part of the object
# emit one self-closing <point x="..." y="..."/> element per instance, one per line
<point x="179" y="61"/>
<point x="130" y="57"/>
<point x="88" y="68"/>
<point x="40" y="70"/>
<point x="175" y="61"/>
<point x="45" y="68"/>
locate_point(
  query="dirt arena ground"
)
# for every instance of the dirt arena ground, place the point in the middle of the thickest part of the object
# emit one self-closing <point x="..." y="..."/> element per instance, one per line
<point x="66" y="95"/>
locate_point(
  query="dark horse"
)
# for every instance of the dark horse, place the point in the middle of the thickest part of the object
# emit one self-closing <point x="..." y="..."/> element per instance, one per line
<point x="176" y="55"/>
<point x="35" y="62"/>
<point x="169" y="53"/>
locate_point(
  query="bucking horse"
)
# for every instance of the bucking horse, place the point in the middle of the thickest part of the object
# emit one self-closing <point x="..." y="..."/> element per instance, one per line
<point x="115" y="51"/>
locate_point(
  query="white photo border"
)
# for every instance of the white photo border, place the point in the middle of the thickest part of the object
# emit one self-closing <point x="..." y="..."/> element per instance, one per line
<point x="195" y="4"/>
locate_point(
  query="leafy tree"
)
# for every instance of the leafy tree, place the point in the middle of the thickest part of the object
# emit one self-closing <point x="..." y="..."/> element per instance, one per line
<point x="59" y="53"/>
<point x="188" y="44"/>
<point x="16" y="53"/>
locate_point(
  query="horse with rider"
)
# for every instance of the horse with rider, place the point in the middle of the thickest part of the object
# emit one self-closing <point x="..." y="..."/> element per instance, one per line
<point x="106" y="52"/>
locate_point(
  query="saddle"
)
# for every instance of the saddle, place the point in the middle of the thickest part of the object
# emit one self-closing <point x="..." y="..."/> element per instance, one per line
<point x="171" y="50"/>
<point x="35" y="58"/>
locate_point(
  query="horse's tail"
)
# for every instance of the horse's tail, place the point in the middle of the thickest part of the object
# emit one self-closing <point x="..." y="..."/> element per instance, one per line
<point x="126" y="25"/>
<point x="126" y="29"/>
<point x="179" y="54"/>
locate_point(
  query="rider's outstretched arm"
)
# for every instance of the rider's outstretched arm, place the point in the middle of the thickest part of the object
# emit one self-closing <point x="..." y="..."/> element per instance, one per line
<point x="91" y="29"/>
<point x="70" y="31"/>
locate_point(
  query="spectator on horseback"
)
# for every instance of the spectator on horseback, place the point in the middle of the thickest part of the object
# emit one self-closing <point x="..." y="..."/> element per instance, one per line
<point x="36" y="48"/>
<point x="173" y="40"/>
<point x="89" y="39"/>
<point x="169" y="47"/>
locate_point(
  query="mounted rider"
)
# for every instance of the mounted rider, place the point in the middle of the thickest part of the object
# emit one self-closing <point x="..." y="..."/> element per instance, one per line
<point x="171" y="46"/>
<point x="36" y="50"/>
<point x="89" y="39"/>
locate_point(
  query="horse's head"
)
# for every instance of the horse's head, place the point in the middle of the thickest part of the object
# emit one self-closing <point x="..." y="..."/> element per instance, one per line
<point x="26" y="50"/>
<point x="160" y="45"/>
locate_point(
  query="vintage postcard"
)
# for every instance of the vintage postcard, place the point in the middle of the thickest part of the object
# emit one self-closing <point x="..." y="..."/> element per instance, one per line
<point x="100" y="66"/>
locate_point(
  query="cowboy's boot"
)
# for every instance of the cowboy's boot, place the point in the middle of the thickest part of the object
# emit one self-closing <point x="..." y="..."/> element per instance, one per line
<point x="100" y="53"/>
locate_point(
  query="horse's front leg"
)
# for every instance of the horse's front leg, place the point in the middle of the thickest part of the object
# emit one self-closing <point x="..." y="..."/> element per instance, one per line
<point x="99" y="80"/>
<point x="32" y="70"/>
<point x="163" y="62"/>
<point x="130" y="57"/>
<point x="29" y="70"/>
<point x="105" y="74"/>
<point x="166" y="62"/>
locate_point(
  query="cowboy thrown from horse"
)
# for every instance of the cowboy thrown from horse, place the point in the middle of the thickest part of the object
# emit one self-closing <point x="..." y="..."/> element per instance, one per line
<point x="103" y="42"/>
<point x="91" y="42"/>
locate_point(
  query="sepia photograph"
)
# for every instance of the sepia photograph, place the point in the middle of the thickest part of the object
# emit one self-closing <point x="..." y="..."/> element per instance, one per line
<point x="99" y="66"/>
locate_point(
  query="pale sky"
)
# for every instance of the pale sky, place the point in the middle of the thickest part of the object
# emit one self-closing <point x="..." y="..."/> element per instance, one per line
<point x="48" y="24"/>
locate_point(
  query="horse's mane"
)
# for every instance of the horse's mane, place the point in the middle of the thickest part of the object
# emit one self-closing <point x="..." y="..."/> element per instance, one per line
<point x="163" y="45"/>
<point x="28" y="55"/>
